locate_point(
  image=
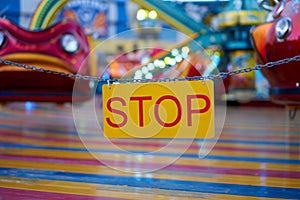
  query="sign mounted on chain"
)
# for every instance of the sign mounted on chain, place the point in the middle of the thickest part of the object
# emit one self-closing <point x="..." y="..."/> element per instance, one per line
<point x="180" y="109"/>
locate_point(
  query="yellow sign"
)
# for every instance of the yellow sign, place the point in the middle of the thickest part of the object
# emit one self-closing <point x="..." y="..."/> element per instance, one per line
<point x="182" y="109"/>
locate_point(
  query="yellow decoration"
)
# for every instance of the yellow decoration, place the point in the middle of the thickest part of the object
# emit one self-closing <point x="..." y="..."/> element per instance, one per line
<point x="245" y="17"/>
<point x="45" y="13"/>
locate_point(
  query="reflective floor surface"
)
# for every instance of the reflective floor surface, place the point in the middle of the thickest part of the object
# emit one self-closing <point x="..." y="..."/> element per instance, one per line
<point x="43" y="157"/>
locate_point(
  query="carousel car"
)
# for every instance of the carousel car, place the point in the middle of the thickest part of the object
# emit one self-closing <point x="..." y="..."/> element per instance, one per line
<point x="276" y="40"/>
<point x="63" y="47"/>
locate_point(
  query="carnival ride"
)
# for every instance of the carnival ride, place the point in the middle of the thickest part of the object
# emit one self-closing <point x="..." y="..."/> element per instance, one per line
<point x="228" y="43"/>
<point x="278" y="39"/>
<point x="231" y="41"/>
<point x="62" y="47"/>
<point x="232" y="35"/>
<point x="275" y="40"/>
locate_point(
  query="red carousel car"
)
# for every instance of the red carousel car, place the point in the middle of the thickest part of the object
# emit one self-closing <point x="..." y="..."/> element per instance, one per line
<point x="279" y="39"/>
<point x="62" y="47"/>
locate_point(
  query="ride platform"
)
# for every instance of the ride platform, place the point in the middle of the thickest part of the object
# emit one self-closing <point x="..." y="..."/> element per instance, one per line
<point x="42" y="157"/>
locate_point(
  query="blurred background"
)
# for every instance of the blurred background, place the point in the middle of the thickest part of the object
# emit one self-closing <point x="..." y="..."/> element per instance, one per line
<point x="149" y="37"/>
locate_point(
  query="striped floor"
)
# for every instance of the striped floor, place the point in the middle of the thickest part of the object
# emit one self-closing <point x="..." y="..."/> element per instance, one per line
<point x="43" y="157"/>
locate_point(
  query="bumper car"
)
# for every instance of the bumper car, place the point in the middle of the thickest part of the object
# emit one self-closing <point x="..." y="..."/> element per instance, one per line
<point x="277" y="39"/>
<point x="62" y="47"/>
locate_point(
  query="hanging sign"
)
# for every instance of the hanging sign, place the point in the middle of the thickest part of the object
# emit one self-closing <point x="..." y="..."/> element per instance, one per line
<point x="181" y="109"/>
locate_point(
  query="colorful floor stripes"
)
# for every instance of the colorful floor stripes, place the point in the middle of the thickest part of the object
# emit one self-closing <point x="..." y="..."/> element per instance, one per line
<point x="43" y="157"/>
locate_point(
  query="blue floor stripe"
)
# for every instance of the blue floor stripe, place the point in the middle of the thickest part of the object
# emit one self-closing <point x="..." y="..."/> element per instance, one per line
<point x="186" y="155"/>
<point x="34" y="118"/>
<point x="140" y="182"/>
<point x="267" y="143"/>
<point x="43" y="130"/>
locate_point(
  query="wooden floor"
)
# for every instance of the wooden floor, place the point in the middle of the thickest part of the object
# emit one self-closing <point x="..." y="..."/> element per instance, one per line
<point x="42" y="157"/>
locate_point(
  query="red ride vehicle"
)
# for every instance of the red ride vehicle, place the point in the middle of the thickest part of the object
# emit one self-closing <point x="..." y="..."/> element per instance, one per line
<point x="62" y="47"/>
<point x="279" y="39"/>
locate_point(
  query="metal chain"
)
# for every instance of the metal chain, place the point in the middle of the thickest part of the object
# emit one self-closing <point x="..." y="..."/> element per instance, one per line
<point x="221" y="75"/>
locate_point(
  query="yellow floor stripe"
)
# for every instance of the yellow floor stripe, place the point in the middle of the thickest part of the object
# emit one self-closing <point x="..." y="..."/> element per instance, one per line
<point x="180" y="161"/>
<point x="148" y="148"/>
<point x="115" y="191"/>
<point x="163" y="142"/>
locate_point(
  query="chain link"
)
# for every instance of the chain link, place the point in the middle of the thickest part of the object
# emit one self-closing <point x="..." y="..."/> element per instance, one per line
<point x="221" y="75"/>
